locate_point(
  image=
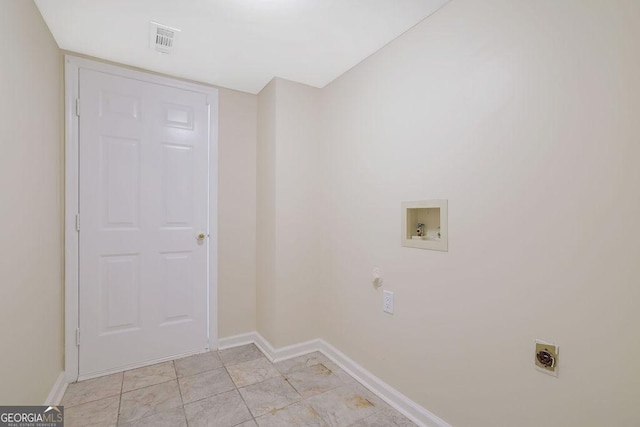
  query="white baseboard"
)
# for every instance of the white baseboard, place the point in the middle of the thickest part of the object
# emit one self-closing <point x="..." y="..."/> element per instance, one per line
<point x="274" y="355"/>
<point x="384" y="391"/>
<point x="237" y="340"/>
<point x="57" y="391"/>
<point x="287" y="352"/>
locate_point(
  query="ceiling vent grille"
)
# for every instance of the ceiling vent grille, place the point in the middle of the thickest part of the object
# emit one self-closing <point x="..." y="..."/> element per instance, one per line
<point x="162" y="37"/>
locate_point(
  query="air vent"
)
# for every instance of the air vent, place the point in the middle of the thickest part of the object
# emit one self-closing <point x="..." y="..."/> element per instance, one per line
<point x="162" y="37"/>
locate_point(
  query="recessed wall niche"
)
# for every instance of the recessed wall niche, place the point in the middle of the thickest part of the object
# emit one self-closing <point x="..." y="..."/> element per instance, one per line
<point x="424" y="225"/>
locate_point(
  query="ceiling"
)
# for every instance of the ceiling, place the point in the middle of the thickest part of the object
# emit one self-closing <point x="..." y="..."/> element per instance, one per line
<point x="237" y="44"/>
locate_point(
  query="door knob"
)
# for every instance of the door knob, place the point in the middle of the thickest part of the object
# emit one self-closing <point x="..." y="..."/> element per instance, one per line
<point x="201" y="237"/>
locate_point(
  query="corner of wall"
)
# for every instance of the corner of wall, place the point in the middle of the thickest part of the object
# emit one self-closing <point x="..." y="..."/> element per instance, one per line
<point x="288" y="174"/>
<point x="237" y="229"/>
<point x="31" y="172"/>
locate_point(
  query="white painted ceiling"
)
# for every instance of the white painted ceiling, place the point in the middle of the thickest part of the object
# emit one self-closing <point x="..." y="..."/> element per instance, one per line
<point x="237" y="44"/>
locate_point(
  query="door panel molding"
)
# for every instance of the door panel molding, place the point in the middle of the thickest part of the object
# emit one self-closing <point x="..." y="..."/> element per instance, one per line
<point x="180" y="119"/>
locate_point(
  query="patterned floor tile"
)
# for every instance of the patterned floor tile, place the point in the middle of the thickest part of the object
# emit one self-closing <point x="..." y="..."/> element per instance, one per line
<point x="198" y="363"/>
<point x="265" y="396"/>
<point x="206" y="384"/>
<point x="223" y="410"/>
<point x="313" y="380"/>
<point x="243" y="353"/>
<point x="300" y="414"/>
<point x="103" y="412"/>
<point x="174" y="417"/>
<point x="300" y="362"/>
<point x="148" y="401"/>
<point x="342" y="406"/>
<point x="94" y="389"/>
<point x="254" y="371"/>
<point x="148" y="375"/>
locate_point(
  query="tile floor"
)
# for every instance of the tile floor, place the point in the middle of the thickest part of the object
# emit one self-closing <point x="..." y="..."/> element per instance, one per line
<point x="234" y="387"/>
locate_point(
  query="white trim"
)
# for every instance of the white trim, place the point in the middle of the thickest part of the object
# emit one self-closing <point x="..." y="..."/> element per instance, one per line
<point x="78" y="62"/>
<point x="212" y="99"/>
<point x="384" y="391"/>
<point x="71" y="208"/>
<point x="274" y="355"/>
<point x="72" y="67"/>
<point x="237" y="340"/>
<point x="287" y="352"/>
<point x="57" y="391"/>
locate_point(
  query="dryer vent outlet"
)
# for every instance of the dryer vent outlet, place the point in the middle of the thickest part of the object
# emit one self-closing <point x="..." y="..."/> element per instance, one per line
<point x="162" y="37"/>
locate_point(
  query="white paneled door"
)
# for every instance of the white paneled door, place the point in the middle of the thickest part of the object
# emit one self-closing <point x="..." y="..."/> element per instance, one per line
<point x="143" y="202"/>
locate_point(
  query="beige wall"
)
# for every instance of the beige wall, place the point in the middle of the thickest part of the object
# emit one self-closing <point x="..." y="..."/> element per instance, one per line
<point x="288" y="222"/>
<point x="237" y="115"/>
<point x="521" y="114"/>
<point x="297" y="224"/>
<point x="524" y="116"/>
<point x="266" y="213"/>
<point x="31" y="165"/>
<point x="32" y="208"/>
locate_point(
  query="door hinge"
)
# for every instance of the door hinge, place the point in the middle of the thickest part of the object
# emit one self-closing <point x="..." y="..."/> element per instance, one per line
<point x="77" y="222"/>
<point x="78" y="107"/>
<point x="77" y="337"/>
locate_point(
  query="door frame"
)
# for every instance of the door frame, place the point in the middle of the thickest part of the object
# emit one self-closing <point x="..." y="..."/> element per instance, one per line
<point x="73" y="64"/>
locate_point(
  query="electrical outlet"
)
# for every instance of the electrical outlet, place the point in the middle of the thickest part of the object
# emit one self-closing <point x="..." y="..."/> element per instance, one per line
<point x="387" y="302"/>
<point x="546" y="357"/>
